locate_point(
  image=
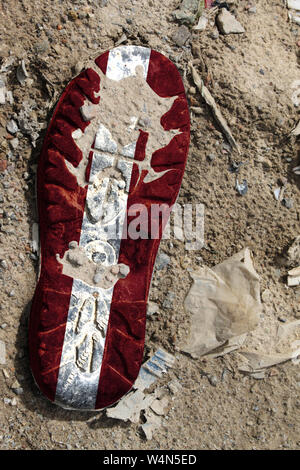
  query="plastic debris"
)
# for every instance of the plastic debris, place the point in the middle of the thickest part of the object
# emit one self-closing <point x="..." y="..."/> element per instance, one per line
<point x="154" y="368"/>
<point x="293" y="4"/>
<point x="22" y="73"/>
<point x="208" y="98"/>
<point x="224" y="303"/>
<point x="130" y="407"/>
<point x="258" y="363"/>
<point x="294" y="277"/>
<point x="242" y="188"/>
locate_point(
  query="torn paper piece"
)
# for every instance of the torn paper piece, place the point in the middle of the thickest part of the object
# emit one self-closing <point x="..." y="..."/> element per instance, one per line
<point x="258" y="363"/>
<point x="224" y="303"/>
<point x="208" y="98"/>
<point x="153" y="369"/>
<point x="130" y="407"/>
<point x="294" y="277"/>
<point x="153" y="422"/>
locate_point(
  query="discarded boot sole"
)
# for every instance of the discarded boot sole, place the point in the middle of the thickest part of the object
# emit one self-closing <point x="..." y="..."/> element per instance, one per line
<point x="115" y="147"/>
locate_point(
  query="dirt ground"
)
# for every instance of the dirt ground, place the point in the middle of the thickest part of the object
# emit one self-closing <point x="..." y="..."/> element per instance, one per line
<point x="251" y="77"/>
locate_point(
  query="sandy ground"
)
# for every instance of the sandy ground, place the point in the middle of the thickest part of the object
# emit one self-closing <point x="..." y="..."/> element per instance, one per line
<point x="251" y="76"/>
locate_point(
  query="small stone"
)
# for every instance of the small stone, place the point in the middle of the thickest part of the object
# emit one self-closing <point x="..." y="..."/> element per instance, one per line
<point x="42" y="46"/>
<point x="168" y="302"/>
<point x="214" y="34"/>
<point x="88" y="112"/>
<point x="152" y="308"/>
<point x="228" y="24"/>
<point x="181" y="36"/>
<point x="211" y="157"/>
<point x="3" y="264"/>
<point x="261" y="71"/>
<point x="11" y="293"/>
<point x="252" y="10"/>
<point x="12" y="127"/>
<point x="14" y="143"/>
<point x="3" y="326"/>
<point x="288" y="202"/>
<point x="162" y="261"/>
<point x="212" y="380"/>
<point x="2" y="353"/>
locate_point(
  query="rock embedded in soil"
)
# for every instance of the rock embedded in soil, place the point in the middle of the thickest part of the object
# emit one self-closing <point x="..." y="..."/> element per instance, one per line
<point x="181" y="36"/>
<point x="12" y="127"/>
<point x="228" y="24"/>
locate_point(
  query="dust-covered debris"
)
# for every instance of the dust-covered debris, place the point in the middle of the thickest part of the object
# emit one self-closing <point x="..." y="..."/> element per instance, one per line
<point x="294" y="277"/>
<point x="224" y="303"/>
<point x="12" y="127"/>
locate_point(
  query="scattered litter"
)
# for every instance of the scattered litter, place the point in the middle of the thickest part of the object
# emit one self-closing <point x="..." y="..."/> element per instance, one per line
<point x="130" y="407"/>
<point x="242" y="188"/>
<point x="277" y="192"/>
<point x="154" y="405"/>
<point x="293" y="4"/>
<point x="2" y="353"/>
<point x="224" y="303"/>
<point x="258" y="363"/>
<point x="228" y="24"/>
<point x="205" y="93"/>
<point x="12" y="127"/>
<point x="154" y="368"/>
<point x="122" y="39"/>
<point x="22" y="73"/>
<point x="294" y="277"/>
<point x="153" y="422"/>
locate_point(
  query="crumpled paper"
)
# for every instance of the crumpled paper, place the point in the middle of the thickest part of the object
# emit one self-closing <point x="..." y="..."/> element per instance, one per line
<point x="225" y="304"/>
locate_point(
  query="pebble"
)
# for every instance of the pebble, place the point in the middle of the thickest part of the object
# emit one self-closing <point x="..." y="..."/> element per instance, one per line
<point x="152" y="308"/>
<point x="212" y="380"/>
<point x="14" y="143"/>
<point x="211" y="157"/>
<point x="2" y="353"/>
<point x="168" y="302"/>
<point x="181" y="36"/>
<point x="228" y="24"/>
<point x="12" y="127"/>
<point x="288" y="202"/>
<point x="162" y="261"/>
<point x="42" y="46"/>
<point x="3" y="264"/>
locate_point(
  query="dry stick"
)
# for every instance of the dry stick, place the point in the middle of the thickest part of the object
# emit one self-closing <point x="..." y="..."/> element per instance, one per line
<point x="206" y="95"/>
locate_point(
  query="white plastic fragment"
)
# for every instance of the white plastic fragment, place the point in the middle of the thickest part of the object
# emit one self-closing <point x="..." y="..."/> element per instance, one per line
<point x="296" y="130"/>
<point x="130" y="407"/>
<point x="22" y="73"/>
<point x="154" y="368"/>
<point x="294" y="277"/>
<point x="293" y="4"/>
